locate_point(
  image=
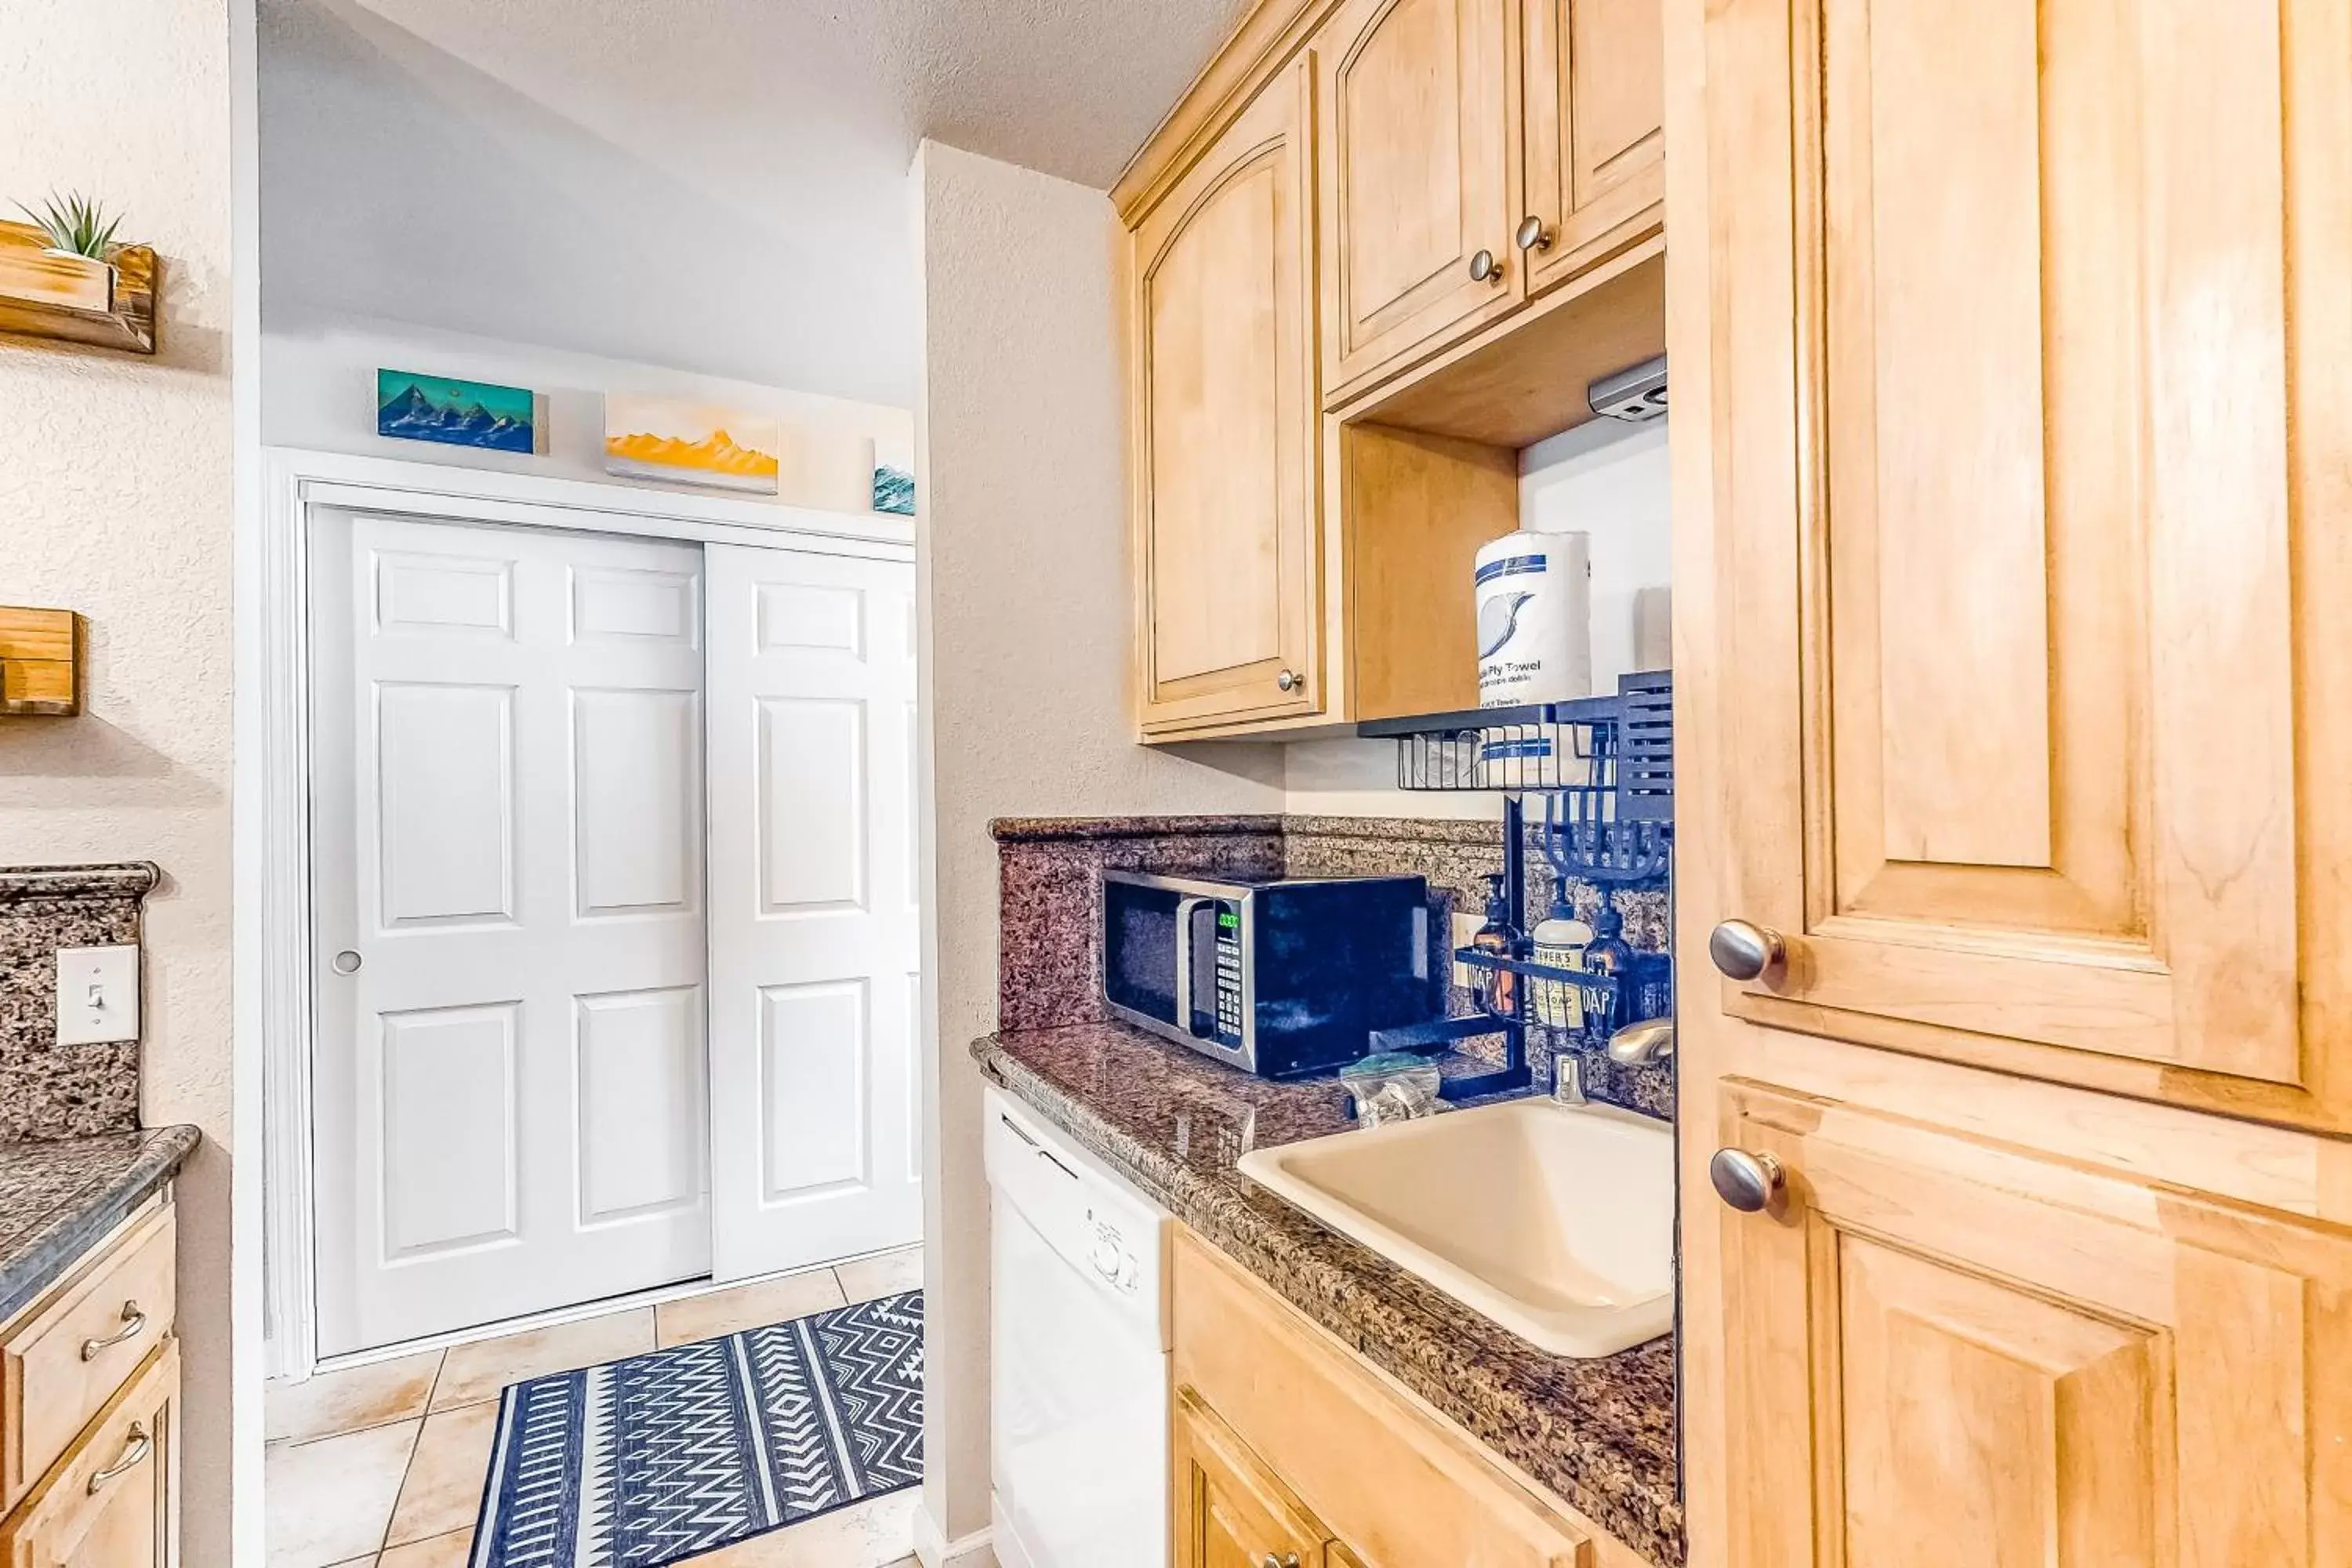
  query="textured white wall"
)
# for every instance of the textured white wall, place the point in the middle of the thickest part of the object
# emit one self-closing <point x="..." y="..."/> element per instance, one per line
<point x="1023" y="576"/>
<point x="114" y="501"/>
<point x="318" y="391"/>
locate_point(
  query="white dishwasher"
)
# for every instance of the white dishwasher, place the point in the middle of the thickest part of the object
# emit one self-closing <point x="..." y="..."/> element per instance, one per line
<point x="1080" y="1341"/>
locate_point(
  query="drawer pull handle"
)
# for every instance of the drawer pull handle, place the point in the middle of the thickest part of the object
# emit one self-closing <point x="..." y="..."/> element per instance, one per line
<point x="134" y="1323"/>
<point x="138" y="1448"/>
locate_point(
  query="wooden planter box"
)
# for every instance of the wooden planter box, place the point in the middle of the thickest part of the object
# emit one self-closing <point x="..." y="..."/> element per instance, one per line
<point x="110" y="304"/>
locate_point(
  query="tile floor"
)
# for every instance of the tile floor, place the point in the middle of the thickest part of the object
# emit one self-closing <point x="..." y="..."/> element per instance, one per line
<point x="382" y="1465"/>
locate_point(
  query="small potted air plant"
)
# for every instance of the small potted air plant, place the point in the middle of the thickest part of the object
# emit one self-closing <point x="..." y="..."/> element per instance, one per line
<point x="73" y="270"/>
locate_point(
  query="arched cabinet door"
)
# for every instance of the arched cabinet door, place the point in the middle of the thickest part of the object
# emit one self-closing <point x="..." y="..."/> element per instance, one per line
<point x="1224" y="460"/>
<point x="2031" y="458"/>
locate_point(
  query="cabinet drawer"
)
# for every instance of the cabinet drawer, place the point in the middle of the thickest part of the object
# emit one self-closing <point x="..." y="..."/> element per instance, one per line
<point x="114" y="1502"/>
<point x="60" y="1365"/>
<point x="1402" y="1490"/>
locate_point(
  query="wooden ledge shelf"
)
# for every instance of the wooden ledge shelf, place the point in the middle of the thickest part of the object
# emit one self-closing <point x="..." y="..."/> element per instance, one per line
<point x="109" y="305"/>
<point x="41" y="662"/>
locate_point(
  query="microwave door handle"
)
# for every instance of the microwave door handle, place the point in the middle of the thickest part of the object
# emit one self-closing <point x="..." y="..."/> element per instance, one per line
<point x="1184" y="907"/>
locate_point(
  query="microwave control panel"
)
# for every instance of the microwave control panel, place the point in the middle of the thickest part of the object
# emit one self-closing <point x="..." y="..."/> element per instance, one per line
<point x="1229" y="974"/>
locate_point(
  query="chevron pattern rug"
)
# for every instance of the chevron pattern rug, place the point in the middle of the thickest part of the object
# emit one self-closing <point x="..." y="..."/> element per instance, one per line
<point x="663" y="1457"/>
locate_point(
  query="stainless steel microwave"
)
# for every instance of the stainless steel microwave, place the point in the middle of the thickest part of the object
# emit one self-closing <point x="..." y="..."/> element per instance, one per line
<point x="1283" y="978"/>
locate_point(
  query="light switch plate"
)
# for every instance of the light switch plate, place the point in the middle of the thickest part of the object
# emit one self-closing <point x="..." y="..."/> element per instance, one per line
<point x="97" y="994"/>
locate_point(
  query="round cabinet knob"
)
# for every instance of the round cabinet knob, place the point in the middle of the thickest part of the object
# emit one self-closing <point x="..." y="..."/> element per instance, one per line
<point x="1287" y="681"/>
<point x="1486" y="267"/>
<point x="1744" y="952"/>
<point x="1532" y="235"/>
<point x="1288" y="1560"/>
<point x="347" y="963"/>
<point x="1748" y="1183"/>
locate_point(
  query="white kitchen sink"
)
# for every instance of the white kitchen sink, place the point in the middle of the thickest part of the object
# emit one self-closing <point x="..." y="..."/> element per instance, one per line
<point x="1555" y="1221"/>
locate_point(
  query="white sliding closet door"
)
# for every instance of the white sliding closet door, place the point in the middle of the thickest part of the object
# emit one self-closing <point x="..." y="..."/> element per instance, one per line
<point x="815" y="1143"/>
<point x="509" y="1106"/>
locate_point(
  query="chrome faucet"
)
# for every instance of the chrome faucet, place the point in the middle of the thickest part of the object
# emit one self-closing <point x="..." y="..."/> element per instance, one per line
<point x="1644" y="1044"/>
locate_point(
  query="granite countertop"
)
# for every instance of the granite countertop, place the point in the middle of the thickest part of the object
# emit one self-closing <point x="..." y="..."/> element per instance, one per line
<point x="59" y="1196"/>
<point x="1601" y="1434"/>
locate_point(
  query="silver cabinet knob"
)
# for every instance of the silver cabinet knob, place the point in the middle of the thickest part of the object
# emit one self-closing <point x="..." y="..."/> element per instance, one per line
<point x="1532" y="235"/>
<point x="1744" y="952"/>
<point x="1486" y="267"/>
<point x="1287" y="681"/>
<point x="347" y="963"/>
<point x="1748" y="1183"/>
<point x="1288" y="1560"/>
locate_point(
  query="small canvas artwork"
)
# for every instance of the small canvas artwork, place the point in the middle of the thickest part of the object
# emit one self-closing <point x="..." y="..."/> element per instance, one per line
<point x="691" y="443"/>
<point x="894" y="476"/>
<point x="411" y="407"/>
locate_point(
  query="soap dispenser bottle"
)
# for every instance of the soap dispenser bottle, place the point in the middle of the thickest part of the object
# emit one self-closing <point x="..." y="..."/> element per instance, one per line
<point x="1560" y="943"/>
<point x="1497" y="990"/>
<point x="1610" y="953"/>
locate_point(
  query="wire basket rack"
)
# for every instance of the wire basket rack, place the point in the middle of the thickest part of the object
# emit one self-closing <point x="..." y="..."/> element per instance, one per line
<point x="1603" y="766"/>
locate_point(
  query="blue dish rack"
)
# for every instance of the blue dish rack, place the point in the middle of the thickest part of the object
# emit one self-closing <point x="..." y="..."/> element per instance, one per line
<point x="1602" y="772"/>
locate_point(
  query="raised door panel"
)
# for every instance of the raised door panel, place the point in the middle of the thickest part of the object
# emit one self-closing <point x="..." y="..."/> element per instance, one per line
<point x="1947" y="1353"/>
<point x="1231" y="596"/>
<point x="1596" y="144"/>
<point x="113" y="1500"/>
<point x="1419" y="100"/>
<point x="2039" y="699"/>
<point x="1230" y="1512"/>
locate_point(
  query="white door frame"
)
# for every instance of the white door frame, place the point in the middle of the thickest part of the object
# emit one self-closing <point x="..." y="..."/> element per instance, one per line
<point x="275" y="774"/>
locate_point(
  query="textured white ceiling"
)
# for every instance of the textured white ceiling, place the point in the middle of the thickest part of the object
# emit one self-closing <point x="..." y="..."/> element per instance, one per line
<point x="717" y="184"/>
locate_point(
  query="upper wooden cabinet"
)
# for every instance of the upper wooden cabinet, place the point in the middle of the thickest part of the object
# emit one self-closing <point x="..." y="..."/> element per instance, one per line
<point x="1419" y="176"/>
<point x="1226" y="461"/>
<point x="2030" y="558"/>
<point x="1596" y="145"/>
<point x="1941" y="1349"/>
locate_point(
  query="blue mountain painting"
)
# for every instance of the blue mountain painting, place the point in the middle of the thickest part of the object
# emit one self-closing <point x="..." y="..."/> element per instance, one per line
<point x="455" y="413"/>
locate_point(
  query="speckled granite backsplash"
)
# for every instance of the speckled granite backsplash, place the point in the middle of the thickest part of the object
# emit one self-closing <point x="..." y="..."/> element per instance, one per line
<point x="1051" y="969"/>
<point x="49" y="1090"/>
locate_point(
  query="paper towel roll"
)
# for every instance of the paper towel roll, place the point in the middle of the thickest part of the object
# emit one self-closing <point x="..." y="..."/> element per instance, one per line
<point x="1534" y="618"/>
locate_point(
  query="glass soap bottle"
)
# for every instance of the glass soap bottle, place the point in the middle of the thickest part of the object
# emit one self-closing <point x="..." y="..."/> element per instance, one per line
<point x="1610" y="953"/>
<point x="1497" y="990"/>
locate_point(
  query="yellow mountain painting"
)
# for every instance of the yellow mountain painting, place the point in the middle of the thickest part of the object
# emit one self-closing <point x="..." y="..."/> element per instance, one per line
<point x="691" y="443"/>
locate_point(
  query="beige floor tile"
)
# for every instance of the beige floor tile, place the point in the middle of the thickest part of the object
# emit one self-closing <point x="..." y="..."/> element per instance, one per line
<point x="476" y="1372"/>
<point x="885" y="1275"/>
<point x="441" y="1551"/>
<point x="727" y="1311"/>
<point x="335" y="1402"/>
<point x="444" y="1490"/>
<point x="329" y="1501"/>
<point x="868" y="1535"/>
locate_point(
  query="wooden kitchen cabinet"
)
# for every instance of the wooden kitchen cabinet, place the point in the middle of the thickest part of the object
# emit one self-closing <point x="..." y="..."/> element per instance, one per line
<point x="1940" y="1349"/>
<point x="113" y="1500"/>
<point x="1231" y="1512"/>
<point x="1419" y="149"/>
<point x="1595" y="132"/>
<point x="2029" y="552"/>
<point x="1229" y="586"/>
<point x="1284" y="1435"/>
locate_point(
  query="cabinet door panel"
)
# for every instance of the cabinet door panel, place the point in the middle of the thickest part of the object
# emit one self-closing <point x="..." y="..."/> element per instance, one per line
<point x="112" y="1501"/>
<point x="1229" y="1511"/>
<point x="1595" y="131"/>
<point x="1226" y="489"/>
<point x="2032" y="711"/>
<point x="1943" y="1352"/>
<point x="1419" y="100"/>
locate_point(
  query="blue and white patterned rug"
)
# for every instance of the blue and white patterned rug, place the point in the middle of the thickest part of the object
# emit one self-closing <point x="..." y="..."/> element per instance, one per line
<point x="645" y="1461"/>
